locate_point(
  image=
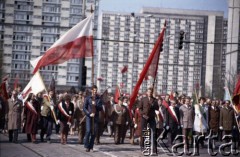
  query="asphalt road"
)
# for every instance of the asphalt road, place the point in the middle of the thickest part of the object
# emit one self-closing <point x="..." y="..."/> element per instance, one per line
<point x="106" y="148"/>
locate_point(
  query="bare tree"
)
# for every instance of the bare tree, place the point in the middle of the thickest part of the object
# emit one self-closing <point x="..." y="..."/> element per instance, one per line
<point x="231" y="79"/>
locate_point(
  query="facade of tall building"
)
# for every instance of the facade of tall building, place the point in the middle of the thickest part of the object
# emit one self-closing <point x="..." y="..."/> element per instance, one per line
<point x="197" y="65"/>
<point x="30" y="27"/>
<point x="233" y="48"/>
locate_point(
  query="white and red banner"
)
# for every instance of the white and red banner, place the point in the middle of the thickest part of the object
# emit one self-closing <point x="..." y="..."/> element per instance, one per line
<point x="30" y="107"/>
<point x="75" y="43"/>
<point x="63" y="111"/>
<point x="173" y="114"/>
<point x="34" y="86"/>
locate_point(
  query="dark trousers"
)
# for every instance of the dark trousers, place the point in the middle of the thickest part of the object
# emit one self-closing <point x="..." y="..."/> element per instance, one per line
<point x="57" y="128"/>
<point x="13" y="135"/>
<point x="186" y="138"/>
<point x="90" y="132"/>
<point x="152" y="126"/>
<point x="99" y="131"/>
<point x="81" y="132"/>
<point x="172" y="133"/>
<point x="118" y="133"/>
<point x="199" y="141"/>
<point x="47" y="125"/>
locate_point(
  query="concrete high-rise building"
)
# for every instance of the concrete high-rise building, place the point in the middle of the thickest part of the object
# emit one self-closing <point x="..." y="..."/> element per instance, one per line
<point x="233" y="50"/>
<point x="30" y="27"/>
<point x="130" y="37"/>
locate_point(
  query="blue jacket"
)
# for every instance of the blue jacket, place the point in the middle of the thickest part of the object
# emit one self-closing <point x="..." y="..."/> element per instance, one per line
<point x="87" y="107"/>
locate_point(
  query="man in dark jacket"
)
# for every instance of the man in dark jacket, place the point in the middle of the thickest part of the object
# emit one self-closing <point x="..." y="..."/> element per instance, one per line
<point x="227" y="119"/>
<point x="92" y="106"/>
<point x="147" y="108"/>
<point x="172" y="122"/>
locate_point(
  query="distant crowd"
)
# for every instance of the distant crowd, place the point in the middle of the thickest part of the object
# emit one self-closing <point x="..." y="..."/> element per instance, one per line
<point x="89" y="114"/>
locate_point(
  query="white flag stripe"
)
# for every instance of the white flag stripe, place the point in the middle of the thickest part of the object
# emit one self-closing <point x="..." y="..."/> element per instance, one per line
<point x="36" y="84"/>
<point x="86" y="30"/>
<point x="35" y="61"/>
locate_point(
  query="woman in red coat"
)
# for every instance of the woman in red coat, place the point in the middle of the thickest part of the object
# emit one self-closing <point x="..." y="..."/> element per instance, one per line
<point x="31" y="116"/>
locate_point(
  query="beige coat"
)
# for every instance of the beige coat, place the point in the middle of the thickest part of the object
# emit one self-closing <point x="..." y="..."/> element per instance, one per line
<point x="186" y="116"/>
<point x="14" y="114"/>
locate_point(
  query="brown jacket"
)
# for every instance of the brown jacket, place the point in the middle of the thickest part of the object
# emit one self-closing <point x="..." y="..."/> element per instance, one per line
<point x="214" y="115"/>
<point x="147" y="107"/>
<point x="120" y="114"/>
<point x="227" y="119"/>
<point x="79" y="113"/>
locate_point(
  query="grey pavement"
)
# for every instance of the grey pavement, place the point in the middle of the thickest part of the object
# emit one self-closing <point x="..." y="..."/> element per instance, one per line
<point x="106" y="148"/>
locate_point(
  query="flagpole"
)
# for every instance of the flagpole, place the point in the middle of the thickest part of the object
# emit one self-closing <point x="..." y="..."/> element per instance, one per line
<point x="54" y="115"/>
<point x="233" y="108"/>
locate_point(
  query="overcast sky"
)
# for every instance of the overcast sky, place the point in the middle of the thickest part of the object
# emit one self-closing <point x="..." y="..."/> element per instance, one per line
<point x="136" y="5"/>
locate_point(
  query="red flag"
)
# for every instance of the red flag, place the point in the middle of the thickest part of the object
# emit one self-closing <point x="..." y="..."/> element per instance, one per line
<point x="104" y="96"/>
<point x="117" y="94"/>
<point x="236" y="96"/>
<point x="75" y="43"/>
<point x="4" y="90"/>
<point x="150" y="68"/>
<point x="100" y="79"/>
<point x="124" y="69"/>
<point x="171" y="96"/>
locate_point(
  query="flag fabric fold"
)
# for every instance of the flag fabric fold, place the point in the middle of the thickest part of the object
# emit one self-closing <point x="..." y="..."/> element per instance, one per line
<point x="75" y="43"/>
<point x="150" y="68"/>
<point x="117" y="94"/>
<point x="236" y="96"/>
<point x="4" y="90"/>
<point x="124" y="69"/>
<point x="34" y="86"/>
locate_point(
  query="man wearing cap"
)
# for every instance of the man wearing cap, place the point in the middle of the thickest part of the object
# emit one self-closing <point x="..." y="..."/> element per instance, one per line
<point x="120" y="119"/>
<point x="147" y="108"/>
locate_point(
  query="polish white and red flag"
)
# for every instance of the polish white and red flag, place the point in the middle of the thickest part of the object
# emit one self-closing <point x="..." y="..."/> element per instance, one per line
<point x="75" y="43"/>
<point x="34" y="86"/>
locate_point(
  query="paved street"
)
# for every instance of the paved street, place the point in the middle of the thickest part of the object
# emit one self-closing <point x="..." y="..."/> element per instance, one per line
<point x="72" y="148"/>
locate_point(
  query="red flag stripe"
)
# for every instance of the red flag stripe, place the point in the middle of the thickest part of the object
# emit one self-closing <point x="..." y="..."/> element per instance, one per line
<point x="79" y="48"/>
<point x="173" y="114"/>
<point x="4" y="90"/>
<point x="124" y="69"/>
<point x="63" y="111"/>
<point x="165" y="104"/>
<point x="30" y="107"/>
<point x="117" y="94"/>
<point x="155" y="50"/>
<point x="26" y="93"/>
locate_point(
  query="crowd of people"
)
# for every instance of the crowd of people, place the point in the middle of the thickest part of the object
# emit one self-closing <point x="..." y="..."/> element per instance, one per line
<point x="86" y="114"/>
